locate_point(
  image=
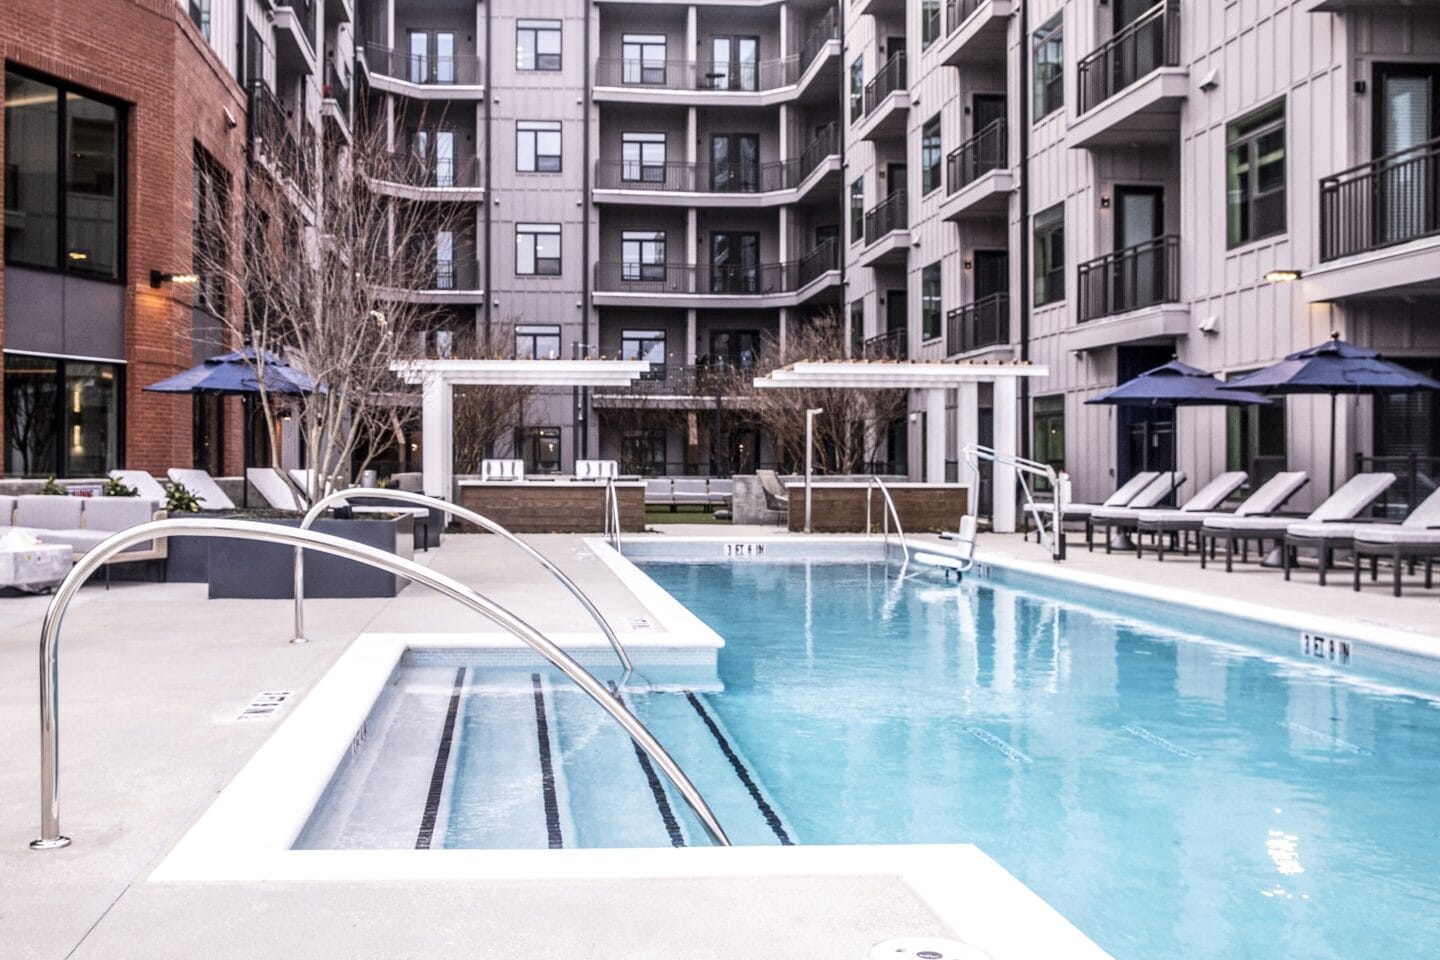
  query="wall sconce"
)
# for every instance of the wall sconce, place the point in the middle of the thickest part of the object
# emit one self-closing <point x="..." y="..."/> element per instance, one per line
<point x="157" y="278"/>
<point x="966" y="264"/>
<point x="1104" y="201"/>
<point x="1282" y="276"/>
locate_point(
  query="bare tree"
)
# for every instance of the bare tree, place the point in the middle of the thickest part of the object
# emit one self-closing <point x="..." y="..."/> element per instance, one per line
<point x="482" y="413"/>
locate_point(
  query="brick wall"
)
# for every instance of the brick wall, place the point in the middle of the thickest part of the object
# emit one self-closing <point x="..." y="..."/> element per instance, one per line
<point x="148" y="54"/>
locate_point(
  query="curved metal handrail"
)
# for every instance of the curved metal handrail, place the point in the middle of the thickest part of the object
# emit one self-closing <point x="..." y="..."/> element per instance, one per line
<point x="421" y="500"/>
<point x="890" y="512"/>
<point x="612" y="514"/>
<point x="50" y="836"/>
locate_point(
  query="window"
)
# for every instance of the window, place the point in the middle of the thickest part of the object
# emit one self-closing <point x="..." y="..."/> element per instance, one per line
<point x="200" y="15"/>
<point x="62" y="218"/>
<point x="1255" y="176"/>
<point x="642" y="255"/>
<point x="433" y="154"/>
<point x="857" y="88"/>
<point x="642" y="58"/>
<point x="444" y="260"/>
<point x="930" y="155"/>
<point x="1050" y="255"/>
<point x="537" y="249"/>
<point x="648" y="345"/>
<point x="1049" y="431"/>
<point x="537" y="146"/>
<point x="432" y="57"/>
<point x="534" y="341"/>
<point x="857" y="210"/>
<point x="254" y="55"/>
<point x="642" y="453"/>
<point x="211" y="200"/>
<point x="642" y="157"/>
<point x="929" y="22"/>
<point x="1255" y="440"/>
<point x="734" y="63"/>
<point x="1049" y="45"/>
<point x="62" y="417"/>
<point x="539" y="447"/>
<point x="930" y="326"/>
<point x="857" y="327"/>
<point x="537" y="44"/>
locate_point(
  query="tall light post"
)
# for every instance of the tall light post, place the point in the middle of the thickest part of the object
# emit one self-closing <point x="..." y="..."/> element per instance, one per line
<point x="810" y="416"/>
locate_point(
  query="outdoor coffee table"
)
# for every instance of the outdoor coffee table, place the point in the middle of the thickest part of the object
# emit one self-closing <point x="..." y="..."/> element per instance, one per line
<point x="35" y="567"/>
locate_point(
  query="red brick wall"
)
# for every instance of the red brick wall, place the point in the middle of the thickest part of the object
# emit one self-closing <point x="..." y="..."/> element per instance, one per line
<point x="148" y="54"/>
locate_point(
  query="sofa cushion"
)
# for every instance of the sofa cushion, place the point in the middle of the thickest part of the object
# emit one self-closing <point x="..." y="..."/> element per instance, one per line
<point x="117" y="513"/>
<point x="77" y="540"/>
<point x="51" y="513"/>
<point x="7" y="510"/>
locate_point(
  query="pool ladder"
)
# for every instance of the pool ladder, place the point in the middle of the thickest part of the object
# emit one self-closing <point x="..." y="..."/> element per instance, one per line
<point x="50" y="836"/>
<point x="888" y="513"/>
<point x="612" y="514"/>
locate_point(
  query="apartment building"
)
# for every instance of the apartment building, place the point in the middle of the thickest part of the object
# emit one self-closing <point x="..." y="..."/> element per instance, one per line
<point x="1102" y="186"/>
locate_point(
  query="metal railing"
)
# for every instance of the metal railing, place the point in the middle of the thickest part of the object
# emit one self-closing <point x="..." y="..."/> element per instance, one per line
<point x="1139" y="276"/>
<point x="1416" y="478"/>
<point x="336" y="90"/>
<point x="414" y="170"/>
<point x="987" y="150"/>
<point x="454" y="510"/>
<point x="1145" y="45"/>
<point x="1389" y="200"/>
<point x="817" y="263"/>
<point x="753" y="77"/>
<point x="50" y="837"/>
<point x="827" y="28"/>
<point x="958" y="11"/>
<point x="704" y="380"/>
<point x="457" y="70"/>
<point x="445" y="275"/>
<point x="889" y="512"/>
<point x="825" y="144"/>
<point x="703" y="177"/>
<point x="890" y="345"/>
<point x="273" y="138"/>
<point x="612" y="520"/>
<point x="891" y="78"/>
<point x="888" y="215"/>
<point x="684" y="279"/>
<point x="984" y="323"/>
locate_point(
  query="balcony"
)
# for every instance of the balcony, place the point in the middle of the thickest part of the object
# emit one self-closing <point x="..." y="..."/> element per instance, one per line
<point x="1380" y="227"/>
<point x="438" y="281"/>
<point x="1132" y="87"/>
<point x="276" y="147"/>
<point x="424" y="77"/>
<point x="415" y="177"/>
<point x="887" y="102"/>
<point x="817" y="271"/>
<point x="1138" y="290"/>
<point x="295" y="36"/>
<point x="763" y="83"/>
<point x="673" y="386"/>
<point x="978" y="178"/>
<point x="335" y="100"/>
<point x="887" y="346"/>
<point x="975" y="326"/>
<point x="974" y="31"/>
<point x="760" y="285"/>
<point x="887" y="232"/>
<point x="824" y="38"/>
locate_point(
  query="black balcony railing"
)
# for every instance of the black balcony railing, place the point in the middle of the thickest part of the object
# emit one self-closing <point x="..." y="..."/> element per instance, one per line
<point x="1139" y="276"/>
<point x="305" y="13"/>
<point x="987" y="150"/>
<point x="890" y="214"/>
<point x="415" y="170"/>
<point x="818" y="262"/>
<point x="336" y="90"/>
<point x="892" y="77"/>
<point x="713" y="377"/>
<point x="274" y="141"/>
<point x="984" y="323"/>
<point x="461" y="274"/>
<point x="1416" y="478"/>
<point x="424" y="70"/>
<point x="825" y="144"/>
<point x="717" y="279"/>
<point x="718" y="178"/>
<point x="1142" y="47"/>
<point x="825" y="30"/>
<point x="1389" y="200"/>
<point x="688" y="75"/>
<point x="958" y="11"/>
<point x="886" y="346"/>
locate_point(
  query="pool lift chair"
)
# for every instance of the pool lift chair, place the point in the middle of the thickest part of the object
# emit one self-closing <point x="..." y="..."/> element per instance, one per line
<point x="1049" y="518"/>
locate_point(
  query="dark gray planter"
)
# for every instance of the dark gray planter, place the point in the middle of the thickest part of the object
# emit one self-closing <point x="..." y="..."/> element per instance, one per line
<point x="187" y="560"/>
<point x="427" y="535"/>
<point x="247" y="570"/>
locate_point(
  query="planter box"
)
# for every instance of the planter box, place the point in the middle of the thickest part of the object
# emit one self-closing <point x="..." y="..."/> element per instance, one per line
<point x="840" y="507"/>
<point x="188" y="560"/>
<point x="552" y="506"/>
<point x="247" y="570"/>
<point x="426" y="535"/>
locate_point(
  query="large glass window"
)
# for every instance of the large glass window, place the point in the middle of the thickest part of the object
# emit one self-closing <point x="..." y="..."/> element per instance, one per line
<point x="62" y="417"/>
<point x="1049" y="79"/>
<point x="1050" y="255"/>
<point x="537" y="44"/>
<point x="1049" y="430"/>
<point x="930" y="155"/>
<point x="642" y="453"/>
<point x="930" y="312"/>
<point x="68" y="217"/>
<point x="857" y="326"/>
<point x="211" y="200"/>
<point x="535" y="341"/>
<point x="642" y="157"/>
<point x="200" y="15"/>
<point x="648" y="345"/>
<point x="929" y="22"/>
<point x="642" y="255"/>
<point x="857" y="210"/>
<point x="1255" y="175"/>
<point x="537" y="146"/>
<point x="1255" y="440"/>
<point x="642" y="58"/>
<point x="857" y="88"/>
<point x="539" y="447"/>
<point x="537" y="249"/>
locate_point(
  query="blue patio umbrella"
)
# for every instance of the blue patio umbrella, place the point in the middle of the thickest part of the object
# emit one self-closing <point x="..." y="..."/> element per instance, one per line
<point x="1334" y="367"/>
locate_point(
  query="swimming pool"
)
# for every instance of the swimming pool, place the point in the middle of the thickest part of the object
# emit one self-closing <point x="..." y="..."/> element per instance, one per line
<point x="1173" y="788"/>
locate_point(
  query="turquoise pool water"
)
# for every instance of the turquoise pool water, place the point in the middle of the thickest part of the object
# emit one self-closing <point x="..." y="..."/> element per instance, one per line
<point x="1172" y="793"/>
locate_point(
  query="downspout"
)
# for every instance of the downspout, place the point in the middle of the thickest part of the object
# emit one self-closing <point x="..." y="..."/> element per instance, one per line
<point x="489" y="180"/>
<point x="1025" y="247"/>
<point x="843" y="126"/>
<point x="582" y="436"/>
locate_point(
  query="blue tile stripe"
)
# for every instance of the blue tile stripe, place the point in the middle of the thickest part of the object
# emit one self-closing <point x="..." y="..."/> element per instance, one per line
<point x="657" y="789"/>
<point x="442" y="762"/>
<point x="547" y="769"/>
<point x="766" y="810"/>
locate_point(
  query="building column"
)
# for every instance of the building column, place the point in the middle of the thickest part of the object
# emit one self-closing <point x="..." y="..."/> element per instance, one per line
<point x="967" y="432"/>
<point x="1007" y="433"/>
<point x="784" y="328"/>
<point x="935" y="436"/>
<point x="438" y="422"/>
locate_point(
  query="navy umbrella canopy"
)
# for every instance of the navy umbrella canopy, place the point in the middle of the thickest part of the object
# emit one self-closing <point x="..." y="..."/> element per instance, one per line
<point x="1334" y="367"/>
<point x="1175" y="384"/>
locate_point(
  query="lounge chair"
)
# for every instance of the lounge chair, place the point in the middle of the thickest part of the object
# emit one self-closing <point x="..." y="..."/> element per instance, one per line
<point x="1400" y="543"/>
<point x="1123" y="518"/>
<point x="1329" y="537"/>
<point x="206" y="490"/>
<point x="596" y="469"/>
<point x="1206" y="500"/>
<point x="1346" y="503"/>
<point x="273" y="487"/>
<point x="145" y="486"/>
<point x="304" y="480"/>
<point x="1264" y="500"/>
<point x="1078" y="512"/>
<point x="502" y="470"/>
<point x="775" y="496"/>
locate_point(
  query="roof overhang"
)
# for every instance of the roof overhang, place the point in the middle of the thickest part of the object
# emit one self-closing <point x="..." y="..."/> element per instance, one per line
<point x="535" y="373"/>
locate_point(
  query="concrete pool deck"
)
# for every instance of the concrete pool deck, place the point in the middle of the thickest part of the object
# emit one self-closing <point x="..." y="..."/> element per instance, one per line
<point x="154" y="678"/>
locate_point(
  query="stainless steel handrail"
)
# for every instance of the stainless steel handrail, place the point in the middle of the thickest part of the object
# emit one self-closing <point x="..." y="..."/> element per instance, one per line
<point x="50" y="836"/>
<point x="890" y="512"/>
<point x="612" y="514"/>
<point x="1024" y="467"/>
<point x="421" y="500"/>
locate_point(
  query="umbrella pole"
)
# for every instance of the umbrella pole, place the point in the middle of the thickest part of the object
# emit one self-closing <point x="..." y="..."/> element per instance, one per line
<point x="1332" y="442"/>
<point x="245" y="413"/>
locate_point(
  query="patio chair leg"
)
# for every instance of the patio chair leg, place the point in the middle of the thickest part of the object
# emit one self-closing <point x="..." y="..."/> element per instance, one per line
<point x="107" y="576"/>
<point x="1324" y="562"/>
<point x="1399" y="569"/>
<point x="1285" y="550"/>
<point x="1429" y="579"/>
<point x="1374" y="567"/>
<point x="1140" y="550"/>
<point x="1201" y="538"/>
<point x="1160" y="545"/>
<point x="1356" y="585"/>
<point x="1230" y="552"/>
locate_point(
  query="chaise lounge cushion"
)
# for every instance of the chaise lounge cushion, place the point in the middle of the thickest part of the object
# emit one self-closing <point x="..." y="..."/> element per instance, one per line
<point x="1398" y="535"/>
<point x="49" y="513"/>
<point x="1358" y="493"/>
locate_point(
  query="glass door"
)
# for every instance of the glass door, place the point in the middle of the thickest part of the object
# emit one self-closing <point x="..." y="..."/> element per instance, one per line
<point x="992" y="273"/>
<point x="1407" y="116"/>
<point x="1139" y="271"/>
<point x="735" y="163"/>
<point x="734" y="63"/>
<point x="432" y="56"/>
<point x="734" y="262"/>
<point x="734" y="349"/>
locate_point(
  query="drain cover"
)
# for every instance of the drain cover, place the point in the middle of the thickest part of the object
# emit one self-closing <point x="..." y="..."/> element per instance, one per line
<point x="926" y="948"/>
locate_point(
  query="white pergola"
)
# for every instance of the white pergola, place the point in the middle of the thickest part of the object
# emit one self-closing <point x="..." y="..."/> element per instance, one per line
<point x="439" y="378"/>
<point x="935" y="379"/>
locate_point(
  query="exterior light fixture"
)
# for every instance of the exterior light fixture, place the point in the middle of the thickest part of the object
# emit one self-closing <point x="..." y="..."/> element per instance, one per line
<point x="78" y="255"/>
<point x="1282" y="276"/>
<point x="1104" y="201"/>
<point x="157" y="278"/>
